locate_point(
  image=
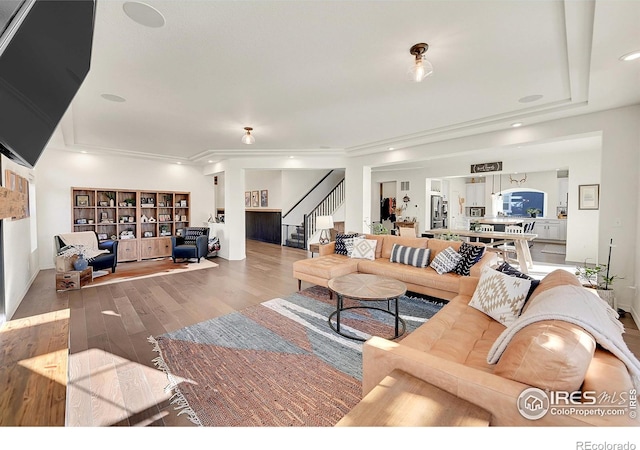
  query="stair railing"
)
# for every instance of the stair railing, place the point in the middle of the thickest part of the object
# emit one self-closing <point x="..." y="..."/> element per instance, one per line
<point x="326" y="207"/>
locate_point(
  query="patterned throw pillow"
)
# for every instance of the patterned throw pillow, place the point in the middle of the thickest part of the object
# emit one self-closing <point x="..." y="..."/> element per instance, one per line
<point x="471" y="254"/>
<point x="418" y="257"/>
<point x="507" y="268"/>
<point x="193" y="233"/>
<point x="500" y="296"/>
<point x="349" y="243"/>
<point x="364" y="249"/>
<point x="445" y="261"/>
<point x="341" y="247"/>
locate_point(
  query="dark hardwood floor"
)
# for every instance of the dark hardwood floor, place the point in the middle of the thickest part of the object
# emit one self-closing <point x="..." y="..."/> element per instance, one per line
<point x="82" y="358"/>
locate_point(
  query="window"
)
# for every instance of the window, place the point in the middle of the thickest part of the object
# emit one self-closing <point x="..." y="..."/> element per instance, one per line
<point x="517" y="202"/>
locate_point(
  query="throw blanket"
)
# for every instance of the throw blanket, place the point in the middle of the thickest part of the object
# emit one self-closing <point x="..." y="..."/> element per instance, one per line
<point x="582" y="308"/>
<point x="86" y="241"/>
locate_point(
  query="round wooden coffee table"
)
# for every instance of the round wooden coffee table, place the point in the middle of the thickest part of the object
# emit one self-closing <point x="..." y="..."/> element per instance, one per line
<point x="367" y="287"/>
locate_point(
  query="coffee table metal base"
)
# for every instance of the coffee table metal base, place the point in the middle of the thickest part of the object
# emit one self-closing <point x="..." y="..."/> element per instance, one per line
<point x="399" y="330"/>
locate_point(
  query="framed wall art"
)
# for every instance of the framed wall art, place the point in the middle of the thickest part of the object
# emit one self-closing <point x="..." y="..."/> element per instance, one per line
<point x="264" y="198"/>
<point x="589" y="196"/>
<point x="82" y="200"/>
<point x="247" y="199"/>
<point x="255" y="199"/>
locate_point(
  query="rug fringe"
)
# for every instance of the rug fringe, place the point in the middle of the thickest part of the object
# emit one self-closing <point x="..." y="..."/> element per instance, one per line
<point x="177" y="398"/>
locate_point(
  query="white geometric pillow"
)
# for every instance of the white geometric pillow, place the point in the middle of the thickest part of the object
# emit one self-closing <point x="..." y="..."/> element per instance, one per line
<point x="446" y="260"/>
<point x="500" y="296"/>
<point x="364" y="249"/>
<point x="348" y="243"/>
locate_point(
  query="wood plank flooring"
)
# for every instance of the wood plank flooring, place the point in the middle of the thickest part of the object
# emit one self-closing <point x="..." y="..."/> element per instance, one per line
<point x="105" y="329"/>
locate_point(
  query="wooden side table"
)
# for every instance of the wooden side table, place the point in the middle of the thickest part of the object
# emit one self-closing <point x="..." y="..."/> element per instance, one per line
<point x="314" y="248"/>
<point x="402" y="400"/>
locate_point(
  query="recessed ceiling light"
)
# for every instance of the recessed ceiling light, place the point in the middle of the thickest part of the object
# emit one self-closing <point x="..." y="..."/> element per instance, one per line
<point x="291" y="157"/>
<point x="391" y="148"/>
<point x="516" y="124"/>
<point x="630" y="56"/>
<point x="113" y="98"/>
<point x="144" y="14"/>
<point x="530" y="98"/>
<point x="210" y="161"/>
<point x="178" y="163"/>
<point x="83" y="151"/>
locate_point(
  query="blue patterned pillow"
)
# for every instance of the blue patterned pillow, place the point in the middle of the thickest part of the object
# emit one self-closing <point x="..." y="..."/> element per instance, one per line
<point x="417" y="257"/>
<point x="341" y="245"/>
<point x="471" y="254"/>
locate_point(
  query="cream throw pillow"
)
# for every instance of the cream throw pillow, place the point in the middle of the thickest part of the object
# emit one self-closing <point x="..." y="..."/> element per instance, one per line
<point x="500" y="296"/>
<point x="364" y="249"/>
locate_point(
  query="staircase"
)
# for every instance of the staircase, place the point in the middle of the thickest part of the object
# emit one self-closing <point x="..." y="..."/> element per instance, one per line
<point x="296" y="238"/>
<point x="298" y="235"/>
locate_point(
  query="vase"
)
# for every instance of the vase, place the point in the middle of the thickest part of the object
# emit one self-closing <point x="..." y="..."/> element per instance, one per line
<point x="608" y="296"/>
<point x="112" y="202"/>
<point x="80" y="264"/>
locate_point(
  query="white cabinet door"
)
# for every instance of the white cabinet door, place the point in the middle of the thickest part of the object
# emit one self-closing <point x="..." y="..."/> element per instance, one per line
<point x="550" y="230"/>
<point x="563" y="191"/>
<point x="475" y="195"/>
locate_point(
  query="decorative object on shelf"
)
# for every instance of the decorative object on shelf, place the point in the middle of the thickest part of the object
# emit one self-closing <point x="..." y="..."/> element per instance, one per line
<point x="589" y="196"/>
<point x="82" y="200"/>
<point x="247" y="138"/>
<point x="324" y="223"/>
<point x="102" y="236"/>
<point x="421" y="68"/>
<point x="264" y="198"/>
<point x="211" y="219"/>
<point x="112" y="198"/>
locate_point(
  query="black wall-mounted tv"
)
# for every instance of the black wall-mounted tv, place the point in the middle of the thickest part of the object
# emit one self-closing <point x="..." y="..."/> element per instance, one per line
<point x="45" y="55"/>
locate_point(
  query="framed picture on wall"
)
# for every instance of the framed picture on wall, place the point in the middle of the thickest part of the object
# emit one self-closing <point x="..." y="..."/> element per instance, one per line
<point x="247" y="199"/>
<point x="255" y="199"/>
<point x="264" y="198"/>
<point x="589" y="196"/>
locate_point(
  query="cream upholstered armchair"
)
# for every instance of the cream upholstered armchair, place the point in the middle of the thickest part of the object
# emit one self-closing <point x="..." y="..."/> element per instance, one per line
<point x="194" y="244"/>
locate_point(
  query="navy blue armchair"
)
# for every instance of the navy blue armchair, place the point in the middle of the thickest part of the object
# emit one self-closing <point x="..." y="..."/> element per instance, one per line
<point x="100" y="262"/>
<point x="194" y="244"/>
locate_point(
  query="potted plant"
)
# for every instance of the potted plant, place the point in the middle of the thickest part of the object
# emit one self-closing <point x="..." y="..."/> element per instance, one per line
<point x="533" y="212"/>
<point x="112" y="198"/>
<point x="599" y="277"/>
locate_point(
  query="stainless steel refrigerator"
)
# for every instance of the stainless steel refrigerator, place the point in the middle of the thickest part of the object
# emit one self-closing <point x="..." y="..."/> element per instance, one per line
<point x="438" y="212"/>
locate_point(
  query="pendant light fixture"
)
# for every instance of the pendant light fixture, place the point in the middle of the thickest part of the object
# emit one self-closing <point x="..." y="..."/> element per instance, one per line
<point x="421" y="68"/>
<point x="248" y="138"/>
<point x="500" y="194"/>
<point x="493" y="186"/>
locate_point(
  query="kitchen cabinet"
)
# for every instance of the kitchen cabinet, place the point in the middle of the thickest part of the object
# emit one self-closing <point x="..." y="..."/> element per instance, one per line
<point x="563" y="191"/>
<point x="549" y="229"/>
<point x="475" y="195"/>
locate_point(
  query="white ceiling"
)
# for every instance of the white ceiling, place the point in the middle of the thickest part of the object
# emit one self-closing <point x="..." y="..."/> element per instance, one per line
<point x="330" y="77"/>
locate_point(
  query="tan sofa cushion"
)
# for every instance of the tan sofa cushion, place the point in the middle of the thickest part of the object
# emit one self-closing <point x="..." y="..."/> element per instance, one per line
<point x="326" y="267"/>
<point x="437" y="245"/>
<point x="550" y="354"/>
<point x="409" y="274"/>
<point x="458" y="333"/>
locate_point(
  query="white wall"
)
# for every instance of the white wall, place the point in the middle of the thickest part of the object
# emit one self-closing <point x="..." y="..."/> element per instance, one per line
<point x="21" y="258"/>
<point x="57" y="171"/>
<point x="296" y="183"/>
<point x="270" y="180"/>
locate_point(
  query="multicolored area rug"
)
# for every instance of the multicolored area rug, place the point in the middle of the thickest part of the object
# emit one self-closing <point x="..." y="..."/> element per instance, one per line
<point x="278" y="363"/>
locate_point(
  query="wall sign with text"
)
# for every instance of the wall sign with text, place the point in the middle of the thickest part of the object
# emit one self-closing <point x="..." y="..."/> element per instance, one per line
<point x="486" y="167"/>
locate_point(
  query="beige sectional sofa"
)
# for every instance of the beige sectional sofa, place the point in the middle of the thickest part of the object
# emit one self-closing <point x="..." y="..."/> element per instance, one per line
<point x="421" y="280"/>
<point x="450" y="351"/>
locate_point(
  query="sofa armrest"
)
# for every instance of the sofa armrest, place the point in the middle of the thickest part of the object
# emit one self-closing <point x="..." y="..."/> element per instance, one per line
<point x="202" y="243"/>
<point x="327" y="249"/>
<point x="488" y="259"/>
<point x="111" y="245"/>
<point x="495" y="394"/>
